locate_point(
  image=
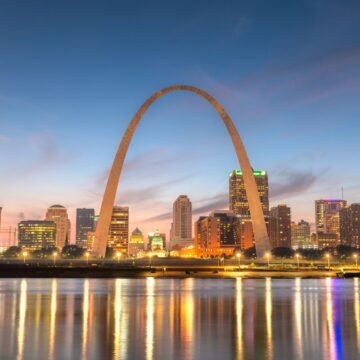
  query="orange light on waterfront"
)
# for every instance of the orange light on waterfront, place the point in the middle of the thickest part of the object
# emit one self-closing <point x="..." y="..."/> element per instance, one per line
<point x="238" y="255"/>
<point x="150" y="255"/>
<point x="356" y="259"/>
<point x="54" y="255"/>
<point x="87" y="257"/>
<point x="268" y="255"/>
<point x="297" y="259"/>
<point x="118" y="255"/>
<point x="327" y="255"/>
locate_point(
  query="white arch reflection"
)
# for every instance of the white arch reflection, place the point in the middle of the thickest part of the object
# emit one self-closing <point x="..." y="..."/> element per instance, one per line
<point x="268" y="314"/>
<point x="298" y="317"/>
<point x="357" y="310"/>
<point x="120" y="322"/>
<point x="239" y="318"/>
<point x="53" y="318"/>
<point x="86" y="302"/>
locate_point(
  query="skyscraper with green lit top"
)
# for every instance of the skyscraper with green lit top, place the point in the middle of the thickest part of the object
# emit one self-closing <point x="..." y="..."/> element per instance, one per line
<point x="238" y="202"/>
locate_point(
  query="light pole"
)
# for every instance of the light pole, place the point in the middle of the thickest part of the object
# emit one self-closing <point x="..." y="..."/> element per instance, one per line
<point x="356" y="260"/>
<point x="87" y="257"/>
<point x="54" y="255"/>
<point x="24" y="255"/>
<point x="118" y="255"/>
<point x="150" y="256"/>
<point x="268" y="258"/>
<point x="297" y="258"/>
<point x="328" y="259"/>
<point x="238" y="255"/>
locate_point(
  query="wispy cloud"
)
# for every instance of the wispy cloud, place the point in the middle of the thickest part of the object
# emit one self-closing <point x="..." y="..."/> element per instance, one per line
<point x="4" y="138"/>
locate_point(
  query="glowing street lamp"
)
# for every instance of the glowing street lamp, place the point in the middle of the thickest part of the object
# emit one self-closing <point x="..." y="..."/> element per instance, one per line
<point x="328" y="259"/>
<point x="297" y="258"/>
<point x="150" y="256"/>
<point x="356" y="259"/>
<point x="87" y="257"/>
<point x="238" y="255"/>
<point x="24" y="255"/>
<point x="54" y="255"/>
<point x="118" y="255"/>
<point x="268" y="258"/>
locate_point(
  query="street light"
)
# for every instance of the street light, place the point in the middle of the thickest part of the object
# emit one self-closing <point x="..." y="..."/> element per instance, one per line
<point x="328" y="259"/>
<point x="297" y="258"/>
<point x="118" y="255"/>
<point x="238" y="255"/>
<point x="87" y="257"/>
<point x="268" y="258"/>
<point x="24" y="255"/>
<point x="150" y="256"/>
<point x="54" y="255"/>
<point x="356" y="259"/>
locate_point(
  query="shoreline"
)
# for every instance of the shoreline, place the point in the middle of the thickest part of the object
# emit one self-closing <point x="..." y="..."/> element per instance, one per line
<point x="111" y="272"/>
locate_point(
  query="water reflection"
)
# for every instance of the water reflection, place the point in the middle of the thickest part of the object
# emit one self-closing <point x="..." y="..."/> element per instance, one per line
<point x="180" y="319"/>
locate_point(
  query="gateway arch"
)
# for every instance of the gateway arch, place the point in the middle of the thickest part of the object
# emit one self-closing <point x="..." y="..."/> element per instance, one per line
<point x="259" y="228"/>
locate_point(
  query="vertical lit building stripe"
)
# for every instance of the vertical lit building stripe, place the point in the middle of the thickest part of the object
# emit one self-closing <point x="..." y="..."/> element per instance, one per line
<point x="357" y="310"/>
<point x="22" y="318"/>
<point x="53" y="318"/>
<point x="85" y="319"/>
<point x="298" y="317"/>
<point x="268" y="313"/>
<point x="150" y="307"/>
<point x="239" y="319"/>
<point x="187" y="317"/>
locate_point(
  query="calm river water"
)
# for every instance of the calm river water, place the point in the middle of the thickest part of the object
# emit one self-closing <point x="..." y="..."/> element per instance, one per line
<point x="179" y="319"/>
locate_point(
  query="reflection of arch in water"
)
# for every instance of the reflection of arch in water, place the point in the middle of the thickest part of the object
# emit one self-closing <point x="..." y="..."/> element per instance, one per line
<point x="257" y="215"/>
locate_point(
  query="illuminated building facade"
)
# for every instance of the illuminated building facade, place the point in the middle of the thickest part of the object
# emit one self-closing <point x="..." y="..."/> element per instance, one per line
<point x="119" y="229"/>
<point x="136" y="243"/>
<point x="300" y="235"/>
<point x="327" y="216"/>
<point x="238" y="201"/>
<point x="37" y="234"/>
<point x="217" y="234"/>
<point x="350" y="225"/>
<point x="157" y="241"/>
<point x="326" y="240"/>
<point x="181" y="230"/>
<point x="280" y="226"/>
<point x="59" y="215"/>
<point x="85" y="222"/>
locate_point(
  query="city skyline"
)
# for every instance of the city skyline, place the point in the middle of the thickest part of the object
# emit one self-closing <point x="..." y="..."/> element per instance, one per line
<point x="296" y="110"/>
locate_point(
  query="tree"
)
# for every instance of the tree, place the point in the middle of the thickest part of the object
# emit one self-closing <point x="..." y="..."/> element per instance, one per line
<point x="283" y="252"/>
<point x="345" y="251"/>
<point x="12" y="252"/>
<point x="250" y="253"/>
<point x="72" y="252"/>
<point x="45" y="252"/>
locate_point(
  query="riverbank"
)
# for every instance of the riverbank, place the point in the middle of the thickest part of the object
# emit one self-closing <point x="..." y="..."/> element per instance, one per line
<point x="37" y="270"/>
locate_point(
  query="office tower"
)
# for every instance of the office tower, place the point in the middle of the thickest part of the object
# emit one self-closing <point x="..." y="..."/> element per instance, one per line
<point x="350" y="225"/>
<point x="300" y="235"/>
<point x="326" y="240"/>
<point x="217" y="234"/>
<point x="85" y="222"/>
<point x="59" y="215"/>
<point x="90" y="238"/>
<point x="119" y="229"/>
<point x="37" y="234"/>
<point x="156" y="241"/>
<point x="181" y="232"/>
<point x="327" y="216"/>
<point x="280" y="226"/>
<point x="238" y="202"/>
<point x="136" y="243"/>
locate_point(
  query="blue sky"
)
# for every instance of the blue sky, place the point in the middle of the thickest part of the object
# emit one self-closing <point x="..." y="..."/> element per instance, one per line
<point x="73" y="73"/>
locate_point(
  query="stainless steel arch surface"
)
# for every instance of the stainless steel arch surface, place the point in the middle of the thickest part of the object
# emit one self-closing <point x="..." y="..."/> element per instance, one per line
<point x="260" y="233"/>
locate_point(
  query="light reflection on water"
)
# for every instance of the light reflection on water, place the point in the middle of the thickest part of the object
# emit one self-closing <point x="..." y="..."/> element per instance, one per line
<point x="179" y="319"/>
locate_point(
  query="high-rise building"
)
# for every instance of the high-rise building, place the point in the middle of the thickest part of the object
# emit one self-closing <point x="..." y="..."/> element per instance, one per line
<point x="326" y="240"/>
<point x="37" y="234"/>
<point x="181" y="232"/>
<point x="136" y="243"/>
<point x="327" y="216"/>
<point x="350" y="225"/>
<point x="85" y="222"/>
<point x="59" y="215"/>
<point x="280" y="226"/>
<point x="218" y="233"/>
<point x="157" y="241"/>
<point x="238" y="202"/>
<point x="119" y="229"/>
<point x="300" y="235"/>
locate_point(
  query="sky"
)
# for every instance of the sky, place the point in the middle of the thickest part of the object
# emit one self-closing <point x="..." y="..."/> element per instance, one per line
<point x="73" y="73"/>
